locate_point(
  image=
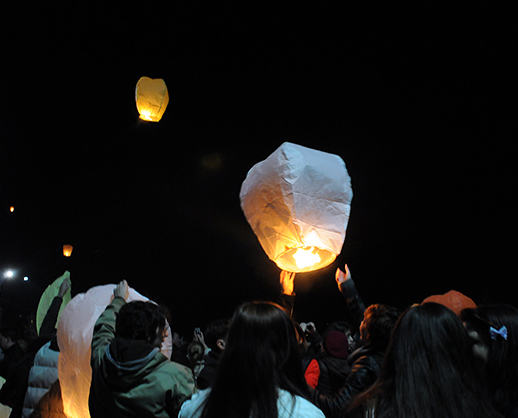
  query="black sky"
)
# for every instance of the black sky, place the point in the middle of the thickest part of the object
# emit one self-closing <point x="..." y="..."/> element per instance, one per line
<point x="417" y="101"/>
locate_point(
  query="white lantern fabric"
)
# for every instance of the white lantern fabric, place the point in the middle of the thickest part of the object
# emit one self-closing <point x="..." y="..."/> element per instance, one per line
<point x="297" y="201"/>
<point x="152" y="98"/>
<point x="75" y="330"/>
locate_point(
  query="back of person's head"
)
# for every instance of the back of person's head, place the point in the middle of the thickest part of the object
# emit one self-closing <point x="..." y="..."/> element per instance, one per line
<point x="342" y="326"/>
<point x="215" y="331"/>
<point x="195" y="352"/>
<point x="139" y="320"/>
<point x="429" y="369"/>
<point x="496" y="328"/>
<point x="347" y="329"/>
<point x="261" y="356"/>
<point x="428" y="337"/>
<point x="379" y="322"/>
<point x="335" y="344"/>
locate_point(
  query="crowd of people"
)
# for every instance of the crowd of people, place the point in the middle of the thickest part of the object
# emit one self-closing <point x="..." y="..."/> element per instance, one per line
<point x="442" y="357"/>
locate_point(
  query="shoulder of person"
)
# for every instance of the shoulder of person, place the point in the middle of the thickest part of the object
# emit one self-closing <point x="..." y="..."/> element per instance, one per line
<point x="296" y="407"/>
<point x="193" y="407"/>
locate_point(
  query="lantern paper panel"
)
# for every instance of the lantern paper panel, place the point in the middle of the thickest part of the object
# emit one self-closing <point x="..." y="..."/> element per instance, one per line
<point x="298" y="202"/>
<point x="48" y="296"/>
<point x="75" y="330"/>
<point x="152" y="98"/>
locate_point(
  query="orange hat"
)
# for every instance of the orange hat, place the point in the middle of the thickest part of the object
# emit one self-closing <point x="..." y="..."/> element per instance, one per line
<point x="454" y="300"/>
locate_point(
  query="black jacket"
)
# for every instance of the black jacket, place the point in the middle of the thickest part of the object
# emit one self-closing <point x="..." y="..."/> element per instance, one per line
<point x="208" y="372"/>
<point x="366" y="363"/>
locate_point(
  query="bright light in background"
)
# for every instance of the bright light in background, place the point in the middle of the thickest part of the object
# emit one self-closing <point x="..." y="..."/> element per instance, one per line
<point x="25" y="279"/>
<point x="11" y="208"/>
<point x="8" y="274"/>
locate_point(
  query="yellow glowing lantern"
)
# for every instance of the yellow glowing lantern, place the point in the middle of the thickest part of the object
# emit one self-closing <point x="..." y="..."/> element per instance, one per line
<point x="152" y="98"/>
<point x="67" y="250"/>
<point x="298" y="202"/>
<point x="11" y="208"/>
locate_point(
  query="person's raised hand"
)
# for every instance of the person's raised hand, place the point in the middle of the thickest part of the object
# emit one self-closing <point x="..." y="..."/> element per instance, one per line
<point x="287" y="278"/>
<point x="121" y="290"/>
<point x="342" y="276"/>
<point x="65" y="286"/>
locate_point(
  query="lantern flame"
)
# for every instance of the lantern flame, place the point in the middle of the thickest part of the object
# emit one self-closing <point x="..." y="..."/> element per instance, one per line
<point x="67" y="250"/>
<point x="306" y="257"/>
<point x="146" y="115"/>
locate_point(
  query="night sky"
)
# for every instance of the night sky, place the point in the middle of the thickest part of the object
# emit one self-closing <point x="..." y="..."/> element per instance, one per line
<point x="416" y="100"/>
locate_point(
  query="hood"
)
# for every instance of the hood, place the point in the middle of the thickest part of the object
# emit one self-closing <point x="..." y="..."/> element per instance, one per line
<point x="128" y="361"/>
<point x="337" y="367"/>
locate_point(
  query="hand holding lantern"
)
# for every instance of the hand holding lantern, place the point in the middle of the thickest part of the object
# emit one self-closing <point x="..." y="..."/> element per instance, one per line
<point x="121" y="290"/>
<point x="287" y="279"/>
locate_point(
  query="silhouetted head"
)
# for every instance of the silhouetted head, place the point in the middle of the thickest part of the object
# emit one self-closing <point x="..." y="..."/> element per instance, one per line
<point x="139" y="320"/>
<point x="378" y="323"/>
<point x="216" y="333"/>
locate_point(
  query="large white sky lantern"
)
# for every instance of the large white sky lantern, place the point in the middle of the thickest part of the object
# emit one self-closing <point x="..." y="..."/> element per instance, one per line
<point x="152" y="98"/>
<point x="75" y="329"/>
<point x="298" y="202"/>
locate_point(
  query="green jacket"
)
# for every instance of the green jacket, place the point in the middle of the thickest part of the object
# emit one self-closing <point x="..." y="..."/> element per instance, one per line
<point x="150" y="386"/>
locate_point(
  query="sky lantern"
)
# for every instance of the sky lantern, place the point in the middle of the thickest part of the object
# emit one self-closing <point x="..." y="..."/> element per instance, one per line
<point x="11" y="209"/>
<point x="152" y="98"/>
<point x="47" y="298"/>
<point x="75" y="330"/>
<point x="298" y="202"/>
<point x="67" y="250"/>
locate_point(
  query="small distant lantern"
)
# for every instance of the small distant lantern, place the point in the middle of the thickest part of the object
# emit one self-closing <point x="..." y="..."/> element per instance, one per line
<point x="67" y="250"/>
<point x="298" y="202"/>
<point x="11" y="208"/>
<point x="152" y="98"/>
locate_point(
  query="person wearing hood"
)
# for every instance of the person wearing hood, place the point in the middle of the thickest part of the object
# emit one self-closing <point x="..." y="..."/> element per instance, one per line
<point x="130" y="376"/>
<point x="330" y="369"/>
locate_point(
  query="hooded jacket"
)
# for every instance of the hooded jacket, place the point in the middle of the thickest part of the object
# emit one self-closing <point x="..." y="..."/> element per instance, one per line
<point x="132" y="378"/>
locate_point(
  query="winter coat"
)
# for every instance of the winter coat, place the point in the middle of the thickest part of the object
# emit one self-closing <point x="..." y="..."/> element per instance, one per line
<point x="148" y="385"/>
<point x="330" y="372"/>
<point x="287" y="406"/>
<point x="51" y="404"/>
<point x="208" y="372"/>
<point x="15" y="388"/>
<point x="42" y="376"/>
<point x="366" y="367"/>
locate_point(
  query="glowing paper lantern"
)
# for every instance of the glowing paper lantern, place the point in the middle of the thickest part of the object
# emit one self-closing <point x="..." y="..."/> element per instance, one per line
<point x="75" y="331"/>
<point x="152" y="98"/>
<point x="297" y="202"/>
<point x="48" y="296"/>
<point x="67" y="250"/>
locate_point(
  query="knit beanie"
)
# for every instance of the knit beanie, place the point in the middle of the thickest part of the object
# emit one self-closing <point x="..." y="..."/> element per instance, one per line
<point x="336" y="344"/>
<point x="454" y="300"/>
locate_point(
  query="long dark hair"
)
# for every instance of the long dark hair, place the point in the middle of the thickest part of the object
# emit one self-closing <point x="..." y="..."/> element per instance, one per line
<point x="429" y="370"/>
<point x="501" y="366"/>
<point x="261" y="356"/>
